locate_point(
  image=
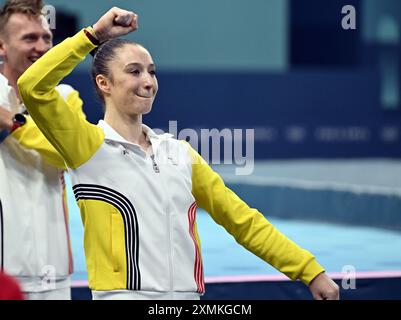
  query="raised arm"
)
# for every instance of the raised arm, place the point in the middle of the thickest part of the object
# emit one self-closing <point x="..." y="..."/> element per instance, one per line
<point x="72" y="136"/>
<point x="254" y="232"/>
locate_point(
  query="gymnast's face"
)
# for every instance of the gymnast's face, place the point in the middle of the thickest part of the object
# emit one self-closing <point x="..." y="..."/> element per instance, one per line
<point x="133" y="84"/>
<point x="24" y="40"/>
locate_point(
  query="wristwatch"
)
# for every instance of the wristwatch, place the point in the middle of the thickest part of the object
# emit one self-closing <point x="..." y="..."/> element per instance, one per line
<point x="18" y="121"/>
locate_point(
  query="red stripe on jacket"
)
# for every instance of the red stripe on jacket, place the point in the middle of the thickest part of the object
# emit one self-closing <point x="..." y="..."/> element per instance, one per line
<point x="198" y="266"/>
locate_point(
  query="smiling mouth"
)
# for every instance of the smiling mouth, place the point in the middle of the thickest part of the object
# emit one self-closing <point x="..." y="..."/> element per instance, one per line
<point x="144" y="97"/>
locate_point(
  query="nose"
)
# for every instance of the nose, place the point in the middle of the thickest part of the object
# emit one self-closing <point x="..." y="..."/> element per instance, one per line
<point x="42" y="46"/>
<point x="148" y="82"/>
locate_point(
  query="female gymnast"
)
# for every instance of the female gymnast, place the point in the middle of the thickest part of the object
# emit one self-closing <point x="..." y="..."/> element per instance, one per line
<point x="138" y="191"/>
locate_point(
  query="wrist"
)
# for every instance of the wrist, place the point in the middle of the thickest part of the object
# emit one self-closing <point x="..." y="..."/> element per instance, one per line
<point x="317" y="277"/>
<point x="92" y="36"/>
<point x="97" y="33"/>
<point x="7" y="126"/>
<point x="18" y="121"/>
<point x="5" y="129"/>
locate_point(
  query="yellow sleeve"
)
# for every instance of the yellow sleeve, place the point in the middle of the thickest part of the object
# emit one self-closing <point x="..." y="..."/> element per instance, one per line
<point x="248" y="226"/>
<point x="65" y="128"/>
<point x="75" y="103"/>
<point x="30" y="137"/>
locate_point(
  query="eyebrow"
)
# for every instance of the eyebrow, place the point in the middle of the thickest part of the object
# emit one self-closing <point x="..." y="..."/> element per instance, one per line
<point x="38" y="35"/>
<point x="138" y="65"/>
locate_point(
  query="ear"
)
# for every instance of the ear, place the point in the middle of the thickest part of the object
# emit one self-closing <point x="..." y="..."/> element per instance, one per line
<point x="103" y="83"/>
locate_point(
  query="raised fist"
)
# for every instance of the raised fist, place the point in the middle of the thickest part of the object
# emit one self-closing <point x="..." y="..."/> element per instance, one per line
<point x="115" y="23"/>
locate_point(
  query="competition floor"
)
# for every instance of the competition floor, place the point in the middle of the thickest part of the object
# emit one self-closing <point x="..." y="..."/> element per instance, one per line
<point x="346" y="243"/>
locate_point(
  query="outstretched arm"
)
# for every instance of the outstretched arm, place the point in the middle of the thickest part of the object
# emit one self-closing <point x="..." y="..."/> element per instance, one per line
<point x="254" y="232"/>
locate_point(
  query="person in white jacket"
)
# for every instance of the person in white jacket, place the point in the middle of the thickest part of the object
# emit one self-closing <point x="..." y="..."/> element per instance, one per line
<point x="34" y="238"/>
<point x="138" y="191"/>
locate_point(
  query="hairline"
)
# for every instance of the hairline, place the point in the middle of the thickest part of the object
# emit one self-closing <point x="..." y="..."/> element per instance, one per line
<point x="4" y="32"/>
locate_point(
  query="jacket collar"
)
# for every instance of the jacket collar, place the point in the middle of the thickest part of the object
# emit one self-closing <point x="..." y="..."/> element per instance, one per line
<point x="151" y="136"/>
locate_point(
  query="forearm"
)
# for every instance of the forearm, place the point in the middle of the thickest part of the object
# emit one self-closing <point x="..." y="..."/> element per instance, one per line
<point x="249" y="227"/>
<point x="30" y="137"/>
<point x="6" y="123"/>
<point x="255" y="233"/>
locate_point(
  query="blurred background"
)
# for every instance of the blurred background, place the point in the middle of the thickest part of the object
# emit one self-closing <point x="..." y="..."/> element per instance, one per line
<point x="325" y="105"/>
<point x="287" y="69"/>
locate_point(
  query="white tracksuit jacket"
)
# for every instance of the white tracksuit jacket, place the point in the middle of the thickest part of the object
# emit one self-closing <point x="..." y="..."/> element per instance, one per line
<point x="34" y="240"/>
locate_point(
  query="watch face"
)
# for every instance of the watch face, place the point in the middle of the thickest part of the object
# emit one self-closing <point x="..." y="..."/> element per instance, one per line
<point x="20" y="119"/>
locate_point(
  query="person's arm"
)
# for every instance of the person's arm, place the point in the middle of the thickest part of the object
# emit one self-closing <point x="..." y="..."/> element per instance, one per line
<point x="30" y="137"/>
<point x="64" y="126"/>
<point x="254" y="232"/>
<point x="73" y="137"/>
<point x="6" y="123"/>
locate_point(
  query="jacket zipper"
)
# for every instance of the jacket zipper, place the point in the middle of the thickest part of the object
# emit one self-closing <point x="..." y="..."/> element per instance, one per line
<point x="155" y="166"/>
<point x="168" y="216"/>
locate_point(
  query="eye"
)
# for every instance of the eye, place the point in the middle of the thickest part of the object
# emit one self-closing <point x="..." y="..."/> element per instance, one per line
<point x="30" y="38"/>
<point x="135" y="72"/>
<point x="47" y="39"/>
<point x="152" y="72"/>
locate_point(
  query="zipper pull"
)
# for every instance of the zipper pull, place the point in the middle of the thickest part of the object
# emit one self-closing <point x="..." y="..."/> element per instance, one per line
<point x="155" y="166"/>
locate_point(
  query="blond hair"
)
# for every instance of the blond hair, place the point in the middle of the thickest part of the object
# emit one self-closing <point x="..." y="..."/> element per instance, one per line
<point x="31" y="8"/>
